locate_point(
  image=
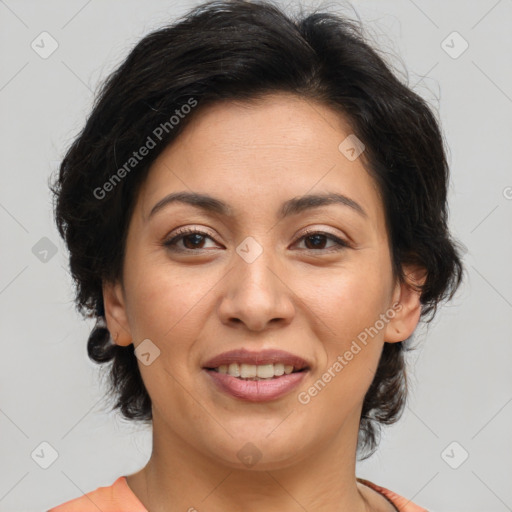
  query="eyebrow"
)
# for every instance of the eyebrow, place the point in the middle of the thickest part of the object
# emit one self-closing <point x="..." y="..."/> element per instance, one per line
<point x="290" y="207"/>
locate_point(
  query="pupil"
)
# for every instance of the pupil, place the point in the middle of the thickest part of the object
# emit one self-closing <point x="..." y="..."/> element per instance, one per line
<point x="197" y="239"/>
<point x="317" y="238"/>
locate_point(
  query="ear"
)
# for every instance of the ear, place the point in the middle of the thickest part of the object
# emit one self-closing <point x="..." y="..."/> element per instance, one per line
<point x="408" y="309"/>
<point x="115" y="313"/>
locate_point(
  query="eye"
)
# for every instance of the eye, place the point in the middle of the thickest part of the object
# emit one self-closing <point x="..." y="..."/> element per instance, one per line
<point x="317" y="239"/>
<point x="191" y="238"/>
<point x="194" y="239"/>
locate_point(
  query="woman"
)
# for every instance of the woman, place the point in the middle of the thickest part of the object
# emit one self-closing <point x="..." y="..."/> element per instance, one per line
<point x="256" y="214"/>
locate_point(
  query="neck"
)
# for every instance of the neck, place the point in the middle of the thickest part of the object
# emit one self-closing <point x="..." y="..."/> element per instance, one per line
<point x="178" y="477"/>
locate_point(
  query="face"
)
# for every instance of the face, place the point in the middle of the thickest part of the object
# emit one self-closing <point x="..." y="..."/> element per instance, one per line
<point x="258" y="278"/>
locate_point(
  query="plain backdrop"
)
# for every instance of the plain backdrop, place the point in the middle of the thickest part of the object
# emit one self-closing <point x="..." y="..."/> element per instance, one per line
<point x="460" y="404"/>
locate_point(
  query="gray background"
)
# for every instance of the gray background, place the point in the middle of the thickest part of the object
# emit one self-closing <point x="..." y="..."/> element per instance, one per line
<point x="460" y="375"/>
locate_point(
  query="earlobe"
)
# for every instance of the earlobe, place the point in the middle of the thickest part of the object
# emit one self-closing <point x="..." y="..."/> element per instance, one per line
<point x="115" y="314"/>
<point x="407" y="309"/>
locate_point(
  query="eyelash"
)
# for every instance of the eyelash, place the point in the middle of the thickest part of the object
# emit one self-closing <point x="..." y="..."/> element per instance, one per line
<point x="171" y="243"/>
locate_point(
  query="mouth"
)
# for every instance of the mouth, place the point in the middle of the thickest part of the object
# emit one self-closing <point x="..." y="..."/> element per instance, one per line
<point x="256" y="376"/>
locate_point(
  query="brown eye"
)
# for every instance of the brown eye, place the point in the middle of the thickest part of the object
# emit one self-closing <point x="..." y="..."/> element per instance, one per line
<point x="316" y="240"/>
<point x="196" y="241"/>
<point x="192" y="239"/>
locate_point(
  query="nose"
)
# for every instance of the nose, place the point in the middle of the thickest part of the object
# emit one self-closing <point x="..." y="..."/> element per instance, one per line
<point x="256" y="294"/>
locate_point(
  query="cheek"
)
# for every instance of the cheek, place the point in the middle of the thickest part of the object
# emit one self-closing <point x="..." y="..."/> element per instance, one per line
<point x="164" y="301"/>
<point x="349" y="301"/>
<point x="349" y="308"/>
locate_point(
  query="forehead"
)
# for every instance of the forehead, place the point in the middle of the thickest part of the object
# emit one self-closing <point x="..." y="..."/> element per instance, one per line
<point x="270" y="125"/>
<point x="260" y="153"/>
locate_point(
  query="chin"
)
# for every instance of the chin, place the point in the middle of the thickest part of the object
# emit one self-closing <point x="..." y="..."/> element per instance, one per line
<point x="257" y="450"/>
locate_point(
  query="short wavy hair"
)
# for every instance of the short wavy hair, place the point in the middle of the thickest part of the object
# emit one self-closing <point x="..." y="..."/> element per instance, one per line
<point x="241" y="51"/>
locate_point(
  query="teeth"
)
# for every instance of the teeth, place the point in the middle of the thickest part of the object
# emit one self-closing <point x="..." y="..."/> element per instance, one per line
<point x="234" y="370"/>
<point x="247" y="371"/>
<point x="255" y="372"/>
<point x="265" y="371"/>
<point x="278" y="369"/>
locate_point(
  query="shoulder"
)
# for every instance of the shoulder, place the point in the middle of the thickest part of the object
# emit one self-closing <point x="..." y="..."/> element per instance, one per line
<point x="400" y="503"/>
<point x="106" y="499"/>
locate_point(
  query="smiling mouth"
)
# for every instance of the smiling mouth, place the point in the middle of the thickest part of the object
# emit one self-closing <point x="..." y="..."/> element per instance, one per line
<point x="256" y="383"/>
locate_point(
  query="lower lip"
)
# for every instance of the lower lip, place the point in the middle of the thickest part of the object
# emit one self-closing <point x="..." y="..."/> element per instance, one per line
<point x="257" y="390"/>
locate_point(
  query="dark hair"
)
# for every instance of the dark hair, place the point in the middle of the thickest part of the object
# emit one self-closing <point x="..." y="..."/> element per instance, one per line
<point x="240" y="51"/>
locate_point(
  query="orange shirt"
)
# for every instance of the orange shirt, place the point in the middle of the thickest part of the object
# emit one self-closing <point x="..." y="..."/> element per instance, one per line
<point x="400" y="503"/>
<point x="120" y="498"/>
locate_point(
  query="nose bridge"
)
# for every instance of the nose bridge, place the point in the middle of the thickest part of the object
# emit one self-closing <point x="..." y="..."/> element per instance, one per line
<point x="255" y="293"/>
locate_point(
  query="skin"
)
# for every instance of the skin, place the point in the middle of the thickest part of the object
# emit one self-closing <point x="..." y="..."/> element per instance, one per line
<point x="309" y="301"/>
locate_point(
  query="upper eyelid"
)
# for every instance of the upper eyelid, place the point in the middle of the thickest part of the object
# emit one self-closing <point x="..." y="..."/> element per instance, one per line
<point x="187" y="230"/>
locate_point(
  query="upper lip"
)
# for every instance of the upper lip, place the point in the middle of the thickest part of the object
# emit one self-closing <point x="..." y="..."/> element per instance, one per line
<point x="262" y="357"/>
